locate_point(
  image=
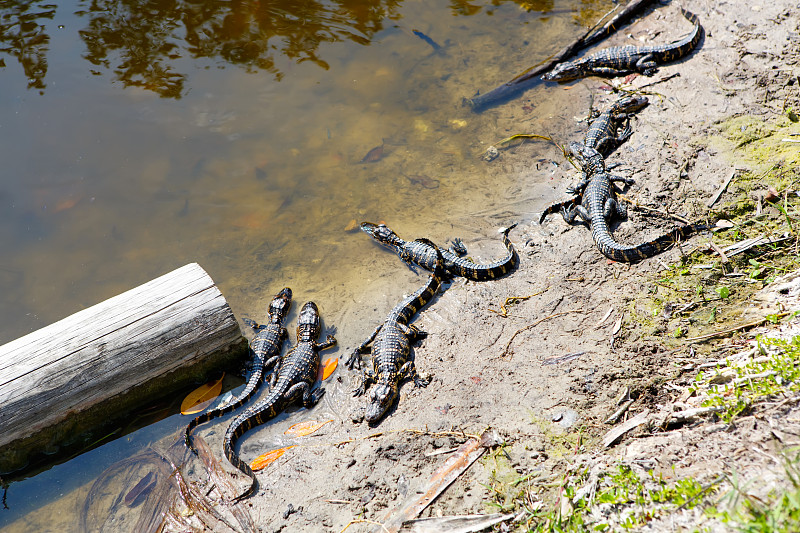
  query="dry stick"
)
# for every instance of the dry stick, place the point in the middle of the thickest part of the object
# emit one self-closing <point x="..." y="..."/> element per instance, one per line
<point x="518" y="84"/>
<point x="661" y="212"/>
<point x="718" y="250"/>
<point x="721" y="190"/>
<point x="364" y="521"/>
<point x="732" y="330"/>
<point x="448" y="472"/>
<point x="529" y="326"/>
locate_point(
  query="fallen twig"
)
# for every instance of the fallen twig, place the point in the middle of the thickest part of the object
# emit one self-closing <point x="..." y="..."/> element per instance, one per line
<point x="452" y="468"/>
<point x="661" y="212"/>
<point x="743" y="246"/>
<point x="562" y="358"/>
<point x="619" y="412"/>
<point x="529" y="326"/>
<point x="721" y="190"/>
<point x="456" y="524"/>
<point x="615" y="434"/>
<point x="734" y="329"/>
<point x="503" y="312"/>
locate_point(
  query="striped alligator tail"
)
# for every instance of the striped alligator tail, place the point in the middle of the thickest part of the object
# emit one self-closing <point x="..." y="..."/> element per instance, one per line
<point x="251" y="418"/>
<point x="252" y="385"/>
<point x="631" y="254"/>
<point x="486" y="271"/>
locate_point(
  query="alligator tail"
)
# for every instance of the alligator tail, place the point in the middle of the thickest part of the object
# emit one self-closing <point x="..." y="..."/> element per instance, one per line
<point x="252" y="385"/>
<point x="486" y="271"/>
<point x="240" y="425"/>
<point x="631" y="254"/>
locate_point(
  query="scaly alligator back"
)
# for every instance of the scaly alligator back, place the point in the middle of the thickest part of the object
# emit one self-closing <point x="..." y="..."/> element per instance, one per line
<point x="619" y="60"/>
<point x="266" y="347"/>
<point x="297" y="375"/>
<point x="424" y="255"/>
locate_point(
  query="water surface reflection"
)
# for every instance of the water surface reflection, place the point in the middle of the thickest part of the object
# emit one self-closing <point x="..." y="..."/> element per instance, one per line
<point x="254" y="172"/>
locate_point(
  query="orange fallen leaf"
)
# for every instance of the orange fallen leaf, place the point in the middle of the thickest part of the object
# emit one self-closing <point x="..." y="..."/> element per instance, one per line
<point x="301" y="429"/>
<point x="201" y="397"/>
<point x="266" y="459"/>
<point x="327" y="368"/>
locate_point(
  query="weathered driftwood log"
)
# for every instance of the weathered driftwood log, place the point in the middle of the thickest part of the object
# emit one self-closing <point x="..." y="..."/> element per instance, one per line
<point x="87" y="372"/>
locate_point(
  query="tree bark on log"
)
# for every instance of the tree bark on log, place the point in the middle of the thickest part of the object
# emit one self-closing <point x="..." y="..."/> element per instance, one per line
<point x="73" y="380"/>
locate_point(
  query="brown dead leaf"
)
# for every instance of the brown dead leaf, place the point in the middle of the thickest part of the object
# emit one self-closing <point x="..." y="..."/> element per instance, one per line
<point x="201" y="397"/>
<point x="301" y="429"/>
<point x="352" y="225"/>
<point x="376" y="154"/>
<point x="266" y="459"/>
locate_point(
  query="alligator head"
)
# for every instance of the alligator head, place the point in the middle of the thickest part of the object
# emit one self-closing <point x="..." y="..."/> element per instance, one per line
<point x="308" y="322"/>
<point x="382" y="233"/>
<point x="564" y="72"/>
<point x="381" y="398"/>
<point x="280" y="305"/>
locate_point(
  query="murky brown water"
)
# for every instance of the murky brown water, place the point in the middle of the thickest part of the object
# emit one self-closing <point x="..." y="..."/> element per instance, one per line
<point x="140" y="136"/>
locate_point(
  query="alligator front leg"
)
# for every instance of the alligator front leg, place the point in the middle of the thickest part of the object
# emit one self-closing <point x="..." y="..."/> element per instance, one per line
<point x="621" y="179"/>
<point x="367" y="378"/>
<point x="578" y="188"/>
<point x="458" y="248"/>
<point x="409" y="371"/>
<point x="412" y="332"/>
<point x="329" y="343"/>
<point x="355" y="357"/>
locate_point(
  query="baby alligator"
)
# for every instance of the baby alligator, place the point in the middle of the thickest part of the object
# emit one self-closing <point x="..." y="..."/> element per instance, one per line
<point x="602" y="134"/>
<point x="296" y="377"/>
<point x="421" y="253"/>
<point x="603" y="137"/>
<point x="598" y="204"/>
<point x="266" y="347"/>
<point x="391" y="347"/>
<point x="620" y="60"/>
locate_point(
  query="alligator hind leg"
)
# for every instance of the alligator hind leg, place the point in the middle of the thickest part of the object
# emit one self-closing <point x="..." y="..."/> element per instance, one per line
<point x="613" y="207"/>
<point x="310" y="397"/>
<point x="457" y="247"/>
<point x="577" y="211"/>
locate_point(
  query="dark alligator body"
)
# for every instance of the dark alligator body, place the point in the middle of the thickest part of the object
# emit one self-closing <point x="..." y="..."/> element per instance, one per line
<point x="598" y="205"/>
<point x="266" y="348"/>
<point x="425" y="255"/>
<point x="620" y="60"/>
<point x="604" y="136"/>
<point x="391" y="347"/>
<point x="296" y="378"/>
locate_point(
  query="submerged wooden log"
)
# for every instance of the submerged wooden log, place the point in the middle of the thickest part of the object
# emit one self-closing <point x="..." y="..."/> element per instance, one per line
<point x="81" y="376"/>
